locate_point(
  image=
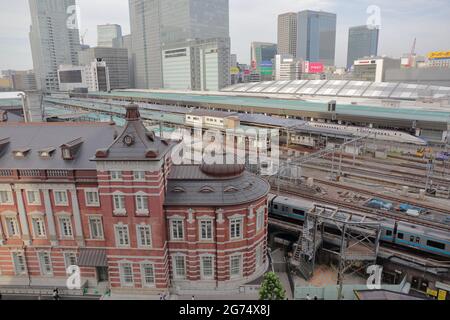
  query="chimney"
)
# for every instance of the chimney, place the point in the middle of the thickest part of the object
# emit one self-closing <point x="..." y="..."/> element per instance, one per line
<point x="132" y="112"/>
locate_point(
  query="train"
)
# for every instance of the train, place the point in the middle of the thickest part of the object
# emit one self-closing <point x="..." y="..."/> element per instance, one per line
<point x="378" y="134"/>
<point x="401" y="233"/>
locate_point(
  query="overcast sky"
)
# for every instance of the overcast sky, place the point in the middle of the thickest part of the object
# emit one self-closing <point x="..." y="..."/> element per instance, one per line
<point x="255" y="20"/>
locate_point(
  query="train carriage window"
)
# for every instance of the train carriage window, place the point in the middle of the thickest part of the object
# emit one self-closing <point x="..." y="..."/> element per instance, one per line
<point x="417" y="240"/>
<point x="411" y="239"/>
<point x="299" y="212"/>
<point x="275" y="206"/>
<point x="400" y="236"/>
<point x="388" y="233"/>
<point x="437" y="245"/>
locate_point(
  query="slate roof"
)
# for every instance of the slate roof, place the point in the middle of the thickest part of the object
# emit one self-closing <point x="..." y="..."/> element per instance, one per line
<point x="189" y="185"/>
<point x="144" y="145"/>
<point x="42" y="136"/>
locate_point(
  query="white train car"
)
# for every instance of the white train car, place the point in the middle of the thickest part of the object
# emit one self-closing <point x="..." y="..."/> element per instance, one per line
<point x="378" y="134"/>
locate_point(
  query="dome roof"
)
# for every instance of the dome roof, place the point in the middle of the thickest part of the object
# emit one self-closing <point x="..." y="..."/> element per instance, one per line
<point x="222" y="170"/>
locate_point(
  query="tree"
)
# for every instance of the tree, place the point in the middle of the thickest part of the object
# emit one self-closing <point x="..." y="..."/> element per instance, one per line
<point x="271" y="288"/>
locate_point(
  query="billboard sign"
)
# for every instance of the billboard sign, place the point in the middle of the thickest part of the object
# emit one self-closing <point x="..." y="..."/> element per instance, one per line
<point x="314" y="67"/>
<point x="266" y="68"/>
<point x="439" y="55"/>
<point x="235" y="70"/>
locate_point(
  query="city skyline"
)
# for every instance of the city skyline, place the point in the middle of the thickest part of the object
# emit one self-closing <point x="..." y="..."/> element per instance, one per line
<point x="419" y="20"/>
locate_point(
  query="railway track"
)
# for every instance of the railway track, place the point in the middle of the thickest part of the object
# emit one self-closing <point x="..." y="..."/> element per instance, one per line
<point x="383" y="196"/>
<point x="396" y="174"/>
<point x="378" y="213"/>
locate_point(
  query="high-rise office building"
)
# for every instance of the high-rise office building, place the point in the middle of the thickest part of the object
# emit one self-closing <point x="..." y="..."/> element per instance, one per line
<point x="116" y="59"/>
<point x="54" y="40"/>
<point x="158" y="23"/>
<point x="287" y="67"/>
<point x="316" y="36"/>
<point x="287" y="33"/>
<point x="362" y="42"/>
<point x="262" y="56"/>
<point x="127" y="43"/>
<point x="109" y="35"/>
<point x="197" y="65"/>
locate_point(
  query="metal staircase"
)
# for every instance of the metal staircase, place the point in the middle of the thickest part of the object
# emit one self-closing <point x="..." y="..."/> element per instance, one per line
<point x="305" y="250"/>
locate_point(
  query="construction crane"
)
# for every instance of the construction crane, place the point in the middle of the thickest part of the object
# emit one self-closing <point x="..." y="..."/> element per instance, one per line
<point x="83" y="36"/>
<point x="412" y="54"/>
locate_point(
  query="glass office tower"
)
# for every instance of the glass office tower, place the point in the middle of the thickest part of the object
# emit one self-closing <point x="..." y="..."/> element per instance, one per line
<point x="316" y="37"/>
<point x="159" y="23"/>
<point x="362" y="42"/>
<point x="53" y="40"/>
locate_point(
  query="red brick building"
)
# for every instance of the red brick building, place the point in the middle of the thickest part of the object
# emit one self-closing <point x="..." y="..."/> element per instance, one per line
<point x="110" y="201"/>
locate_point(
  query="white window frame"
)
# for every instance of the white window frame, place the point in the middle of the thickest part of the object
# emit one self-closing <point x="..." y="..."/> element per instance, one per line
<point x="61" y="221"/>
<point x="240" y="221"/>
<point x="87" y="200"/>
<point x="6" y="197"/>
<point x="37" y="198"/>
<point x="146" y="284"/>
<point x="41" y="255"/>
<point x="175" y="269"/>
<point x="68" y="256"/>
<point x="122" y="275"/>
<point x="15" y="222"/>
<point x="15" y="258"/>
<point x="149" y="242"/>
<point x="260" y="217"/>
<point x="116" y="175"/>
<point x="99" y="224"/>
<point x="141" y="202"/>
<point x="123" y="201"/>
<point x="126" y="233"/>
<point x="61" y="203"/>
<point x="174" y="237"/>
<point x="139" y="176"/>
<point x="39" y="223"/>
<point x="202" y="267"/>
<point x="238" y="256"/>
<point x="200" y="225"/>
<point x="259" y="255"/>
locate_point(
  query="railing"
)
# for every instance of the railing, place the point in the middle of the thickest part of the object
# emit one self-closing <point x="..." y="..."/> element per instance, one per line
<point x="30" y="173"/>
<point x="57" y="173"/>
<point x="6" y="173"/>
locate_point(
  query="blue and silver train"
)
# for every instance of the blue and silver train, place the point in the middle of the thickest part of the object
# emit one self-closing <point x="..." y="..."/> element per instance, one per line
<point x="421" y="238"/>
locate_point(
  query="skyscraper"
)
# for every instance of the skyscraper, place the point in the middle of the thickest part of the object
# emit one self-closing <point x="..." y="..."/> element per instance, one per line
<point x="116" y="60"/>
<point x="316" y="36"/>
<point x="362" y="42"/>
<point x="109" y="35"/>
<point x="287" y="34"/>
<point x="263" y="55"/>
<point x="158" y="23"/>
<point x="53" y="40"/>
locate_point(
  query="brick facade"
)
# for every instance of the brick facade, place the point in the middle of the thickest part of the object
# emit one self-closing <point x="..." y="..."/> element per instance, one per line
<point x="47" y="217"/>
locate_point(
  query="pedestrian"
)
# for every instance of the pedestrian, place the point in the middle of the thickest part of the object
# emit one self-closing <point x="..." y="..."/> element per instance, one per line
<point x="161" y="297"/>
<point x="308" y="297"/>
<point x="55" y="294"/>
<point x="315" y="298"/>
<point x="193" y="298"/>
